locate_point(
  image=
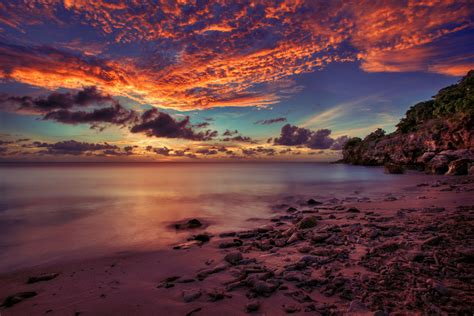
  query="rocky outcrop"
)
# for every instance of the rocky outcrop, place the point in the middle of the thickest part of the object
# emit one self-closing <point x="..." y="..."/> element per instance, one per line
<point x="436" y="136"/>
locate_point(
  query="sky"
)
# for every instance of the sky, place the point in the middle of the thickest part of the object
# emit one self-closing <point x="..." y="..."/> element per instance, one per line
<point x="218" y="80"/>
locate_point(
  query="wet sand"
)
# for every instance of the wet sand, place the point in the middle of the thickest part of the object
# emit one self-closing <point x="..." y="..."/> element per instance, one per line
<point x="408" y="252"/>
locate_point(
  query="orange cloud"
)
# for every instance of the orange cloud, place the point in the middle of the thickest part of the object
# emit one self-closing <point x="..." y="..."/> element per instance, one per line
<point x="186" y="55"/>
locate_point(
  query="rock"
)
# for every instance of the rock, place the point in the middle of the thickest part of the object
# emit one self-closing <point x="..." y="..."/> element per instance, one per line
<point x="379" y="313"/>
<point x="332" y="216"/>
<point x="357" y="307"/>
<point x="191" y="224"/>
<point x="216" y="295"/>
<point x="42" y="277"/>
<point x="264" y="229"/>
<point x="191" y="295"/>
<point x="194" y="223"/>
<point x="308" y="222"/>
<point x="252" y="306"/>
<point x="291" y="308"/>
<point x="194" y="311"/>
<point x="438" y="165"/>
<point x="263" y="288"/>
<point x="319" y="237"/>
<point x="233" y="258"/>
<point x="393" y="168"/>
<point x="17" y="298"/>
<point x="313" y="202"/>
<point x="438" y="287"/>
<point x="458" y="167"/>
<point x="230" y="244"/>
<point x="294" y="237"/>
<point x="433" y="241"/>
<point x="427" y="156"/>
<point x="228" y="234"/>
<point x="202" y="238"/>
<point x="205" y="273"/>
<point x="353" y="210"/>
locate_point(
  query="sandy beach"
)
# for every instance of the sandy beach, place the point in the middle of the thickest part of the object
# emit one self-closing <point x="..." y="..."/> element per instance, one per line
<point x="408" y="252"/>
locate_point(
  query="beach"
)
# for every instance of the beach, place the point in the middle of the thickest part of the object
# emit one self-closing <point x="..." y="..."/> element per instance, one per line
<point x="398" y="246"/>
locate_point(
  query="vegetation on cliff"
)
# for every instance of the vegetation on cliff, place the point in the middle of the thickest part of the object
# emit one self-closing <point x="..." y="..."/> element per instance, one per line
<point x="434" y="132"/>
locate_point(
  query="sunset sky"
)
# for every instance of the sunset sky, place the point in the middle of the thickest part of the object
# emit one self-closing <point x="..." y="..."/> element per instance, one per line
<point x="218" y="80"/>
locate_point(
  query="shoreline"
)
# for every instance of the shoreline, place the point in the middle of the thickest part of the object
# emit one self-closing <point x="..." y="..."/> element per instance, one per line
<point x="340" y="256"/>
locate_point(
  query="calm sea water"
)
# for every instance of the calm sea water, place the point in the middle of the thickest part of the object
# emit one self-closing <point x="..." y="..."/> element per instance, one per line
<point x="55" y="212"/>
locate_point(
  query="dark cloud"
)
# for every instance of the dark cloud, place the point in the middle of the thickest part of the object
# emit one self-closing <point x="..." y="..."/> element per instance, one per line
<point x="206" y="151"/>
<point x="239" y="138"/>
<point x="291" y="135"/>
<point x="68" y="107"/>
<point x="201" y="125"/>
<point x="260" y="150"/>
<point x="86" y="97"/>
<point x="72" y="147"/>
<point x="320" y="139"/>
<point x="159" y="124"/>
<point x="116" y="115"/>
<point x="164" y="151"/>
<point x="230" y="133"/>
<point x="271" y="121"/>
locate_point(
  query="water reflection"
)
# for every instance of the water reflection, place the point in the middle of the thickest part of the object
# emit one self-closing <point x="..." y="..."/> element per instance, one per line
<point x="55" y="212"/>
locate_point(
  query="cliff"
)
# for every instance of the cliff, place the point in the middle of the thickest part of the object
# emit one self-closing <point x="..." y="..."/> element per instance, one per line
<point x="436" y="136"/>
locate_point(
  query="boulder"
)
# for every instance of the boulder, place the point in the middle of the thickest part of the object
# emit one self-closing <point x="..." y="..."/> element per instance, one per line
<point x="426" y="157"/>
<point x="438" y="165"/>
<point x="458" y="167"/>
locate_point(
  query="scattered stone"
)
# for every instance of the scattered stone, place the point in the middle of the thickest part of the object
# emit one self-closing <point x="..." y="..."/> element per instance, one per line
<point x="291" y="308"/>
<point x="231" y="244"/>
<point x="42" y="277"/>
<point x="17" y="298"/>
<point x="313" y="202"/>
<point x="191" y="295"/>
<point x="353" y="210"/>
<point x="202" y="238"/>
<point x="252" y="306"/>
<point x="194" y="311"/>
<point x="217" y="295"/>
<point x="190" y="224"/>
<point x="233" y="258"/>
<point x="291" y="210"/>
<point x="229" y="234"/>
<point x="308" y="222"/>
<point x="357" y="307"/>
<point x="319" y="237"/>
<point x="263" y="288"/>
<point x="294" y="237"/>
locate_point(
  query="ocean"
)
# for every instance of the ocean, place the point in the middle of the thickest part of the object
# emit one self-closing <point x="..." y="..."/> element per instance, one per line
<point x="62" y="211"/>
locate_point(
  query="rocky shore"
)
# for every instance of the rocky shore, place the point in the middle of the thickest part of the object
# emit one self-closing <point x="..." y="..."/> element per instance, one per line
<point x="435" y="136"/>
<point x="409" y="252"/>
